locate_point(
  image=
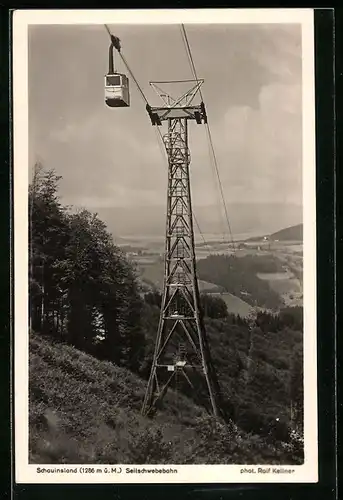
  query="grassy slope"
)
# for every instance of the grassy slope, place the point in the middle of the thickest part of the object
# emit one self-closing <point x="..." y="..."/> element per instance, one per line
<point x="234" y="304"/>
<point x="86" y="411"/>
<point x="292" y="233"/>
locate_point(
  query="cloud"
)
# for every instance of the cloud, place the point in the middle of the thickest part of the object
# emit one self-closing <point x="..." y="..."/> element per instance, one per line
<point x="253" y="96"/>
<point x="262" y="147"/>
<point x="104" y="164"/>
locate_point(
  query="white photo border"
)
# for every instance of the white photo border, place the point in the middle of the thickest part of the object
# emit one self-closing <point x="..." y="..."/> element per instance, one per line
<point x="29" y="473"/>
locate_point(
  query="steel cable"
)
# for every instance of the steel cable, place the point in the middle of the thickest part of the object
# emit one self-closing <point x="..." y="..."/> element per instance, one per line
<point x="209" y="135"/>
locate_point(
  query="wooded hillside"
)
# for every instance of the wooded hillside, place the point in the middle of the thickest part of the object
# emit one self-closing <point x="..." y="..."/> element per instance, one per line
<point x="239" y="277"/>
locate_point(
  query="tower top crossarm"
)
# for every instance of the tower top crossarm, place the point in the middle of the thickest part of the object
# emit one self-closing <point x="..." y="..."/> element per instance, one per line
<point x="177" y="107"/>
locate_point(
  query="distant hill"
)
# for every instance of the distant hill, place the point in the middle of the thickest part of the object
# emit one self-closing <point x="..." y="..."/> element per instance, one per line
<point x="245" y="218"/>
<point x="293" y="233"/>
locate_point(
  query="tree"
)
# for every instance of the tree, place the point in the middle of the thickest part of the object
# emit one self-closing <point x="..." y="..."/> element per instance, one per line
<point x="297" y="392"/>
<point x="153" y="298"/>
<point x="292" y="317"/>
<point x="48" y="237"/>
<point x="82" y="288"/>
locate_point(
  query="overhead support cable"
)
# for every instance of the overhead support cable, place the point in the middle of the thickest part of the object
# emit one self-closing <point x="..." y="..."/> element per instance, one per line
<point x="209" y="135"/>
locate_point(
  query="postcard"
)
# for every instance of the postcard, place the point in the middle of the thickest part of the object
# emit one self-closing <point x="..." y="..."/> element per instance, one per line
<point x="164" y="246"/>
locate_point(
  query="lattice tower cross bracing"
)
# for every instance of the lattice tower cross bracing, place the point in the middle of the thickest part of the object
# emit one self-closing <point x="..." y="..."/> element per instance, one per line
<point x="181" y="349"/>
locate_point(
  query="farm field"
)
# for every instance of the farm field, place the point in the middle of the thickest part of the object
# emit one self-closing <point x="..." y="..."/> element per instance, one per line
<point x="234" y="304"/>
<point x="287" y="283"/>
<point x="153" y="273"/>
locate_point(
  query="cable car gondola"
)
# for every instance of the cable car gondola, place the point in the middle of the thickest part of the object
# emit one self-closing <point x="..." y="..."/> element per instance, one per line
<point x="117" y="93"/>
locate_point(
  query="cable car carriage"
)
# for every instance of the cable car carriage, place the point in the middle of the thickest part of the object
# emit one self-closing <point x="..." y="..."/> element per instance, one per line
<point x="117" y="93"/>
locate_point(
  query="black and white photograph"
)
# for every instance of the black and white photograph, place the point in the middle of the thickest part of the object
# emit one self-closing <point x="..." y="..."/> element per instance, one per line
<point x="164" y="218"/>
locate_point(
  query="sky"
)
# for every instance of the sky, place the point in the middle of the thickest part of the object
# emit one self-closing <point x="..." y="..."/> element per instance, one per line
<point x="112" y="157"/>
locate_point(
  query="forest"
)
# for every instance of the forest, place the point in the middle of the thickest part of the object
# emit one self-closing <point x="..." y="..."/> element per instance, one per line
<point x="85" y="297"/>
<point x="82" y="289"/>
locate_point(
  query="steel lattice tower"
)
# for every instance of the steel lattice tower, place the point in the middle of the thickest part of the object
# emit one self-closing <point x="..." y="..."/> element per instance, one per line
<point x="181" y="349"/>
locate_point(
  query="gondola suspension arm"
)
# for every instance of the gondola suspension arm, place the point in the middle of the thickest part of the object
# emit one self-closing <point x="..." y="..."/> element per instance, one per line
<point x="115" y="41"/>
